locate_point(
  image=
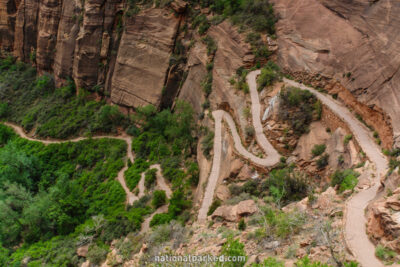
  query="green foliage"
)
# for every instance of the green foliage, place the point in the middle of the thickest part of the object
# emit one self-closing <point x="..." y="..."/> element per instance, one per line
<point x="97" y="254"/>
<point x="347" y="138"/>
<point x="269" y="262"/>
<point x="193" y="172"/>
<point x="242" y="225"/>
<point x="318" y="150"/>
<point x="323" y="161"/>
<point x="133" y="173"/>
<point x="207" y="144"/>
<point x="50" y="190"/>
<point x="178" y="203"/>
<point x="160" y="218"/>
<point x="159" y="198"/>
<point x="385" y="254"/>
<point x="306" y="262"/>
<point x="269" y="74"/>
<point x="211" y="45"/>
<point x="256" y="14"/>
<point x="298" y="108"/>
<point x="34" y="103"/>
<point x="3" y="110"/>
<point x="346" y="179"/>
<point x="287" y="185"/>
<point x="150" y="177"/>
<point x="284" y="224"/>
<point x="214" y="205"/>
<point x="233" y="248"/>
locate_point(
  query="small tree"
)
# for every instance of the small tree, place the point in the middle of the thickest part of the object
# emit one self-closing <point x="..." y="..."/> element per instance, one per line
<point x="159" y="198"/>
<point x="242" y="225"/>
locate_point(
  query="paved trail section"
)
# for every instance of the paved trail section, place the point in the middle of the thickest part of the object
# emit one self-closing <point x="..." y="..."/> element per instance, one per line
<point x="270" y="160"/>
<point x="355" y="221"/>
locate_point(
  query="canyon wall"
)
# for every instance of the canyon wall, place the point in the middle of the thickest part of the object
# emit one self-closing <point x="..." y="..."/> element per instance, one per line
<point x="126" y="56"/>
<point x="356" y="43"/>
<point x="96" y="44"/>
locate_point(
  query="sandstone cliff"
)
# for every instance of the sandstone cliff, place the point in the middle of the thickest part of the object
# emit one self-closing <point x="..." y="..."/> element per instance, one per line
<point x="96" y="44"/>
<point x="356" y="43"/>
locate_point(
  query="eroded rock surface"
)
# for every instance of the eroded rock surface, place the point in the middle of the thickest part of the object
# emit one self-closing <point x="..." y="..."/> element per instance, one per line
<point x="143" y="58"/>
<point x="356" y="43"/>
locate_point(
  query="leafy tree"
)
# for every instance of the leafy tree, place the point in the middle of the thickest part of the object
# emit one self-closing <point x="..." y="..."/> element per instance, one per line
<point x="159" y="198"/>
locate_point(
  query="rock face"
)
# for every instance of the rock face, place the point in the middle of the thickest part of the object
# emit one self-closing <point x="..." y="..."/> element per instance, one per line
<point x="354" y="42"/>
<point x="95" y="45"/>
<point x="384" y="221"/>
<point x="143" y="58"/>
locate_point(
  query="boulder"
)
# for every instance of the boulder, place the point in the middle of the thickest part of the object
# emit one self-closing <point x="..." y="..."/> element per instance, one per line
<point x="233" y="213"/>
<point x="246" y="207"/>
<point x="228" y="213"/>
<point x="82" y="251"/>
<point x="179" y="6"/>
<point x="236" y="166"/>
<point x="245" y="173"/>
<point x="222" y="192"/>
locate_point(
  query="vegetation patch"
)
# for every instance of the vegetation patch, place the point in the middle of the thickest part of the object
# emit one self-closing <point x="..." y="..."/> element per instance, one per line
<point x="346" y="179"/>
<point x="298" y="108"/>
<point x="35" y="104"/>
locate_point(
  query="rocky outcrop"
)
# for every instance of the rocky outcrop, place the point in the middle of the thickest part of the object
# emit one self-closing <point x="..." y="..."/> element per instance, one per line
<point x="231" y="55"/>
<point x="143" y="58"/>
<point x="192" y="90"/>
<point x="233" y="213"/>
<point x="384" y="221"/>
<point x="49" y="16"/>
<point x="8" y="9"/>
<point x="355" y="43"/>
<point x="25" y="38"/>
<point x="95" y="45"/>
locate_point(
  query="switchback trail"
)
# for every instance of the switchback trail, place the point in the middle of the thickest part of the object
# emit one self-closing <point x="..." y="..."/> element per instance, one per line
<point x="355" y="221"/>
<point x="130" y="197"/>
<point x="269" y="161"/>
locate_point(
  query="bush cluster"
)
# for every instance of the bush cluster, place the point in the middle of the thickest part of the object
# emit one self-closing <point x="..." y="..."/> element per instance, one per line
<point x="35" y="103"/>
<point x="298" y="108"/>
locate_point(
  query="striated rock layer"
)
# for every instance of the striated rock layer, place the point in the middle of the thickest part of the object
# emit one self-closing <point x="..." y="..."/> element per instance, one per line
<point x="92" y="43"/>
<point x="356" y="43"/>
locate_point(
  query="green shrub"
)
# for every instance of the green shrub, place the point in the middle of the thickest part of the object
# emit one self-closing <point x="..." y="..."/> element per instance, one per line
<point x="207" y="144"/>
<point x="346" y="179"/>
<point x="34" y="103"/>
<point x="150" y="177"/>
<point x="97" y="254"/>
<point x="211" y="45"/>
<point x="269" y="74"/>
<point x="159" y="198"/>
<point x="306" y="262"/>
<point x="318" y="150"/>
<point x="160" y="218"/>
<point x="3" y="110"/>
<point x="242" y="225"/>
<point x="249" y="131"/>
<point x="286" y="185"/>
<point x="347" y="138"/>
<point x="323" y="161"/>
<point x="233" y="248"/>
<point x="298" y="108"/>
<point x="269" y="262"/>
<point x="385" y="254"/>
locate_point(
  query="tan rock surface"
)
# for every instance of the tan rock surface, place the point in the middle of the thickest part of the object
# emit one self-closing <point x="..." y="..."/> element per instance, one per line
<point x="143" y="58"/>
<point x="338" y="37"/>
